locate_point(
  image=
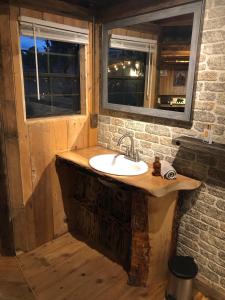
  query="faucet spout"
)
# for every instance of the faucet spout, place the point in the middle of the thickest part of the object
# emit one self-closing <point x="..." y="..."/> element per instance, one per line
<point x="131" y="153"/>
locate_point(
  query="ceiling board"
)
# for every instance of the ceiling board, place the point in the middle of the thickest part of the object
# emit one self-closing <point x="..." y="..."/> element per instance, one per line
<point x="96" y="4"/>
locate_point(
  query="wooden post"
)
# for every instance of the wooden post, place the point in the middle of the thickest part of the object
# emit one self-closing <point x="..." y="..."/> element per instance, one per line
<point x="152" y="237"/>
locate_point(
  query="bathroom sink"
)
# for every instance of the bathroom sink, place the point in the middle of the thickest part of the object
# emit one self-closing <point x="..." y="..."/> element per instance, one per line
<point x="117" y="164"/>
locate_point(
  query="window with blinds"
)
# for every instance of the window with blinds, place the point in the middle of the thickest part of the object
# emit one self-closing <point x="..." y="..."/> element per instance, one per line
<point x="129" y="69"/>
<point x="51" y="59"/>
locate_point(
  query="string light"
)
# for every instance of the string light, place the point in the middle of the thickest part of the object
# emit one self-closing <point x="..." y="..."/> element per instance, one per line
<point x="133" y="72"/>
<point x="137" y="65"/>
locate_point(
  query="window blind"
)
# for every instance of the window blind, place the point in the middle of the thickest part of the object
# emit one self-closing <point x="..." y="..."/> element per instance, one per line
<point x="53" y="31"/>
<point x="132" y="43"/>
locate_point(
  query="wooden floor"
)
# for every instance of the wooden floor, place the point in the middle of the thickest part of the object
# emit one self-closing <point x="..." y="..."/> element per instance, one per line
<point x="12" y="283"/>
<point x="67" y="269"/>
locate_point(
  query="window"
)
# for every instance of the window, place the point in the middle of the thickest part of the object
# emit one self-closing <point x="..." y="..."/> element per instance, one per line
<point x="51" y="60"/>
<point x="126" y="77"/>
<point x="128" y="70"/>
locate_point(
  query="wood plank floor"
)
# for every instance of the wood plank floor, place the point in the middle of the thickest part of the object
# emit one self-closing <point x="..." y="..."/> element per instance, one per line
<point x="67" y="269"/>
<point x="12" y="283"/>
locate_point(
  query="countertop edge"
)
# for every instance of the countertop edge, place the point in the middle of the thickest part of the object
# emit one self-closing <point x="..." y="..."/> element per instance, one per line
<point x="170" y="185"/>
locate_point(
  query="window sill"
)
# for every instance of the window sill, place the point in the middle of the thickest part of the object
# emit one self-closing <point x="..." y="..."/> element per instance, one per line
<point x="55" y="118"/>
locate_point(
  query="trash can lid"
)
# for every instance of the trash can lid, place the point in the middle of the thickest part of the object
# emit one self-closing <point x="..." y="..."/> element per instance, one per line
<point x="183" y="267"/>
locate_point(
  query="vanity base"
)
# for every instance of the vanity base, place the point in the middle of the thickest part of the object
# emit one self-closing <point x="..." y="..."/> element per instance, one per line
<point x="132" y="217"/>
<point x="126" y="224"/>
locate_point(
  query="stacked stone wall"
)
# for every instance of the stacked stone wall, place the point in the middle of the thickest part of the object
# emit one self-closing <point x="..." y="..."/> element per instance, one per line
<point x="202" y="224"/>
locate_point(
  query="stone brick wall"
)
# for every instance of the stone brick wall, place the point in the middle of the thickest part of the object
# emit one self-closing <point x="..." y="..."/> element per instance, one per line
<point x="202" y="224"/>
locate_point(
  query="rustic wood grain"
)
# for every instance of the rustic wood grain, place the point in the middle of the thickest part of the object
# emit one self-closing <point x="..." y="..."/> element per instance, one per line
<point x="10" y="130"/>
<point x="99" y="213"/>
<point x="34" y="192"/>
<point x="55" y="6"/>
<point x="155" y="186"/>
<point x="91" y="197"/>
<point x="6" y="231"/>
<point x="66" y="268"/>
<point x="12" y="283"/>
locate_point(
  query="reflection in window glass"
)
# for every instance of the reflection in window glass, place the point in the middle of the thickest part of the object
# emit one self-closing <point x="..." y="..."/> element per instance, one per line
<point x="59" y="77"/>
<point x="173" y="62"/>
<point x="126" y="77"/>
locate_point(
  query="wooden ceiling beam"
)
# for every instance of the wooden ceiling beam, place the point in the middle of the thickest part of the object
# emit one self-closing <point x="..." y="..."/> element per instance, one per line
<point x="146" y="28"/>
<point x="135" y="7"/>
<point x="57" y="6"/>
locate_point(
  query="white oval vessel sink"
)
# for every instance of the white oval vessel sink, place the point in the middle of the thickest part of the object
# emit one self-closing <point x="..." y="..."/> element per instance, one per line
<point x="117" y="165"/>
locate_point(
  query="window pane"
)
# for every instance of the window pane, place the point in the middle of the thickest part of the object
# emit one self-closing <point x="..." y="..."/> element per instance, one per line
<point x="38" y="108"/>
<point x="67" y="102"/>
<point x="42" y="63"/>
<point x="65" y="86"/>
<point x="64" y="64"/>
<point x="27" y="51"/>
<point x="59" y="77"/>
<point x="44" y="45"/>
<point x="30" y="86"/>
<point x="44" y="86"/>
<point x="115" y="86"/>
<point x="126" y="77"/>
<point x="48" y="106"/>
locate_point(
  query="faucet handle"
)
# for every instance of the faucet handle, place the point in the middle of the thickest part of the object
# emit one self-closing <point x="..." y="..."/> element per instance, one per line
<point x="137" y="156"/>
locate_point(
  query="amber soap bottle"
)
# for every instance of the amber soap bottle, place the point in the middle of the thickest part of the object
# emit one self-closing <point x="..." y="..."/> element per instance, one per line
<point x="156" y="167"/>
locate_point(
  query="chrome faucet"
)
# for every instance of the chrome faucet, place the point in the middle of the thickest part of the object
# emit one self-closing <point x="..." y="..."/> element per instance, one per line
<point x="130" y="151"/>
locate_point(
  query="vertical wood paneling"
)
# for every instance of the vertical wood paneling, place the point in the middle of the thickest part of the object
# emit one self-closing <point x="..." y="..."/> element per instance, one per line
<point x="166" y="86"/>
<point x="6" y="233"/>
<point x="59" y="132"/>
<point x="23" y="137"/>
<point x="97" y="64"/>
<point x="92" y="86"/>
<point x="42" y="152"/>
<point x="35" y="195"/>
<point x="10" y="127"/>
<point x="77" y="133"/>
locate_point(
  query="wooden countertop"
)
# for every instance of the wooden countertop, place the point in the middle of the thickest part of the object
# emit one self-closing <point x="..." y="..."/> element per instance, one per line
<point x="155" y="186"/>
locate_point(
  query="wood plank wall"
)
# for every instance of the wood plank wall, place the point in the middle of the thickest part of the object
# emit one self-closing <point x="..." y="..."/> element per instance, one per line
<point x="166" y="84"/>
<point x="35" y="199"/>
<point x="6" y="238"/>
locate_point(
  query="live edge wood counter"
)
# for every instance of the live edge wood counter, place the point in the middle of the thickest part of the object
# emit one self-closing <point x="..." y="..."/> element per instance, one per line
<point x="152" y="217"/>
